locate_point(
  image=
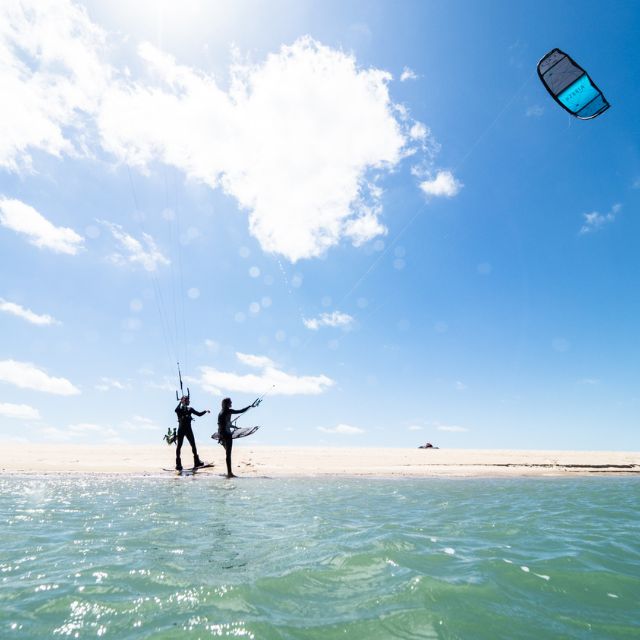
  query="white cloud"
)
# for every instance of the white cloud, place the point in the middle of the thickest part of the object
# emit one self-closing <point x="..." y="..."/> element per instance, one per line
<point x="415" y="427"/>
<point x="342" y="430"/>
<point x="106" y="384"/>
<point x="50" y="67"/>
<point x="534" y="111"/>
<point x="294" y="140"/>
<point x="452" y="428"/>
<point x="365" y="226"/>
<point x="84" y="427"/>
<point x="19" y="411"/>
<point x="144" y="253"/>
<point x="27" y="376"/>
<point x="297" y="139"/>
<point x="259" y="362"/>
<point x="212" y="345"/>
<point x="26" y="314"/>
<point x="140" y="423"/>
<point x="460" y="386"/>
<point x="594" y="221"/>
<point x="54" y="433"/>
<point x="334" y="319"/>
<point x="166" y="384"/>
<point x="419" y="131"/>
<point x="270" y="377"/>
<point x="444" y="184"/>
<point x="407" y="74"/>
<point x="41" y="233"/>
<point x="80" y="430"/>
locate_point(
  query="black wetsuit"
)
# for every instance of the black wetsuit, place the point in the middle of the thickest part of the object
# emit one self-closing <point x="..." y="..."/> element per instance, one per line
<point x="224" y="432"/>
<point x="185" y="431"/>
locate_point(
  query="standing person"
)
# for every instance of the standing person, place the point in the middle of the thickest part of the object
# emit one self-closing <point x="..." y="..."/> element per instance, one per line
<point x="225" y="430"/>
<point x="185" y="412"/>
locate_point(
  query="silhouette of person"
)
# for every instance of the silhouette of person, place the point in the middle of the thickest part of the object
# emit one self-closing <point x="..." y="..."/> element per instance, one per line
<point x="185" y="412"/>
<point x="225" y="430"/>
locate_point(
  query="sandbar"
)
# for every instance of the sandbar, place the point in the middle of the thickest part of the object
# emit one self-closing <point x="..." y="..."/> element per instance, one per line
<point x="278" y="461"/>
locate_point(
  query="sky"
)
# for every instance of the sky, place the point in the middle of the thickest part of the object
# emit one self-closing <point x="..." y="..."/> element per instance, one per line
<point x="371" y="212"/>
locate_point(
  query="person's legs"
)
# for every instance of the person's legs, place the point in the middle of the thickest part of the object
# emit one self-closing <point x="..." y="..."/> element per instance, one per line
<point x="192" y="441"/>
<point x="228" y="445"/>
<point x="179" y="447"/>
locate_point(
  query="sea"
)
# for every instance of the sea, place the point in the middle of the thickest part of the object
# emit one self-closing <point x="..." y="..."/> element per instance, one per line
<point x="205" y="557"/>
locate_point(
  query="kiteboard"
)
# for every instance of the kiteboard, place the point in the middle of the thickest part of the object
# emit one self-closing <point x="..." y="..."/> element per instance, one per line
<point x="189" y="471"/>
<point x="240" y="432"/>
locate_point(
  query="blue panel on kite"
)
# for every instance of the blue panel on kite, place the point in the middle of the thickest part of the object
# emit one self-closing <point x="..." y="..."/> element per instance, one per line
<point x="570" y="86"/>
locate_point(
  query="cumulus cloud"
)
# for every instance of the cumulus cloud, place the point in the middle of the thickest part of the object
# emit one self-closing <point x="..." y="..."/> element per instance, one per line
<point x="342" y="430"/>
<point x="294" y="140"/>
<point x="259" y="362"/>
<point x="50" y="67"/>
<point x="41" y="233"/>
<point x="298" y="139"/>
<point x="407" y="74"/>
<point x="270" y="377"/>
<point x="334" y="319"/>
<point x="27" y="376"/>
<point x="443" y="185"/>
<point x="26" y="314"/>
<point x="19" y="411"/>
<point x="594" y="221"/>
<point x="135" y="252"/>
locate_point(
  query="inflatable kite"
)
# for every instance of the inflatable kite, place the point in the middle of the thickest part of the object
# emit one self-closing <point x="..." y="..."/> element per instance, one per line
<point x="570" y="86"/>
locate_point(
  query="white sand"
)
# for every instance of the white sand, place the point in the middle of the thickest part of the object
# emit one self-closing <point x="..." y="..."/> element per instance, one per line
<point x="315" y="461"/>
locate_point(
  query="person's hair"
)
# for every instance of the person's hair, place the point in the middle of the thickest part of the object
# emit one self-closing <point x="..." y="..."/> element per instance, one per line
<point x="184" y="399"/>
<point x="226" y="402"/>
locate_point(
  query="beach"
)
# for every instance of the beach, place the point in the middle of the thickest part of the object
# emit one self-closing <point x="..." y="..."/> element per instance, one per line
<point x="271" y="461"/>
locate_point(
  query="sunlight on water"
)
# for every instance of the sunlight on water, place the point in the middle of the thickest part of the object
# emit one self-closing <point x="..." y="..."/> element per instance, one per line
<point x="205" y="558"/>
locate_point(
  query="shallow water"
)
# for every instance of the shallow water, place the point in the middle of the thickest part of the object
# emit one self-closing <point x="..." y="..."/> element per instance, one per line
<point x="201" y="557"/>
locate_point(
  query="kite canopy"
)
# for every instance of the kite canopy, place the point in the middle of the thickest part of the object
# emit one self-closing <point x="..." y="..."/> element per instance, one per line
<point x="570" y="86"/>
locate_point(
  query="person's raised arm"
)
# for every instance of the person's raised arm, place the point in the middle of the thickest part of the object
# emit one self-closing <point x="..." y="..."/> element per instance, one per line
<point x="240" y="410"/>
<point x="200" y="413"/>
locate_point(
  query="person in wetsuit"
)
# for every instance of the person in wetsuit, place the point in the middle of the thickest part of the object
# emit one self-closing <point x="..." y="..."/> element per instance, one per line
<point x="225" y="430"/>
<point x="185" y="412"/>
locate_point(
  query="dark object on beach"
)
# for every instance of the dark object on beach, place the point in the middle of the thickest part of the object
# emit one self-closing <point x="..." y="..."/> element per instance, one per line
<point x="570" y="86"/>
<point x="171" y="436"/>
<point x="428" y="445"/>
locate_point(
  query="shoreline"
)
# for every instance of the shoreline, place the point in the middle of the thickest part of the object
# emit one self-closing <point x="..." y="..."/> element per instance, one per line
<point x="302" y="462"/>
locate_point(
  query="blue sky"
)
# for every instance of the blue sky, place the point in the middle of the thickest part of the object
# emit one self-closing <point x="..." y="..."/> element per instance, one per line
<point x="375" y="207"/>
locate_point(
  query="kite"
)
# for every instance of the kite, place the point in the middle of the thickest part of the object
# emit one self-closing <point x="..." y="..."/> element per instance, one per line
<point x="570" y="86"/>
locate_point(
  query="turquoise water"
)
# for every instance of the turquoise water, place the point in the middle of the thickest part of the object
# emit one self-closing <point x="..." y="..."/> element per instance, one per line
<point x="203" y="557"/>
